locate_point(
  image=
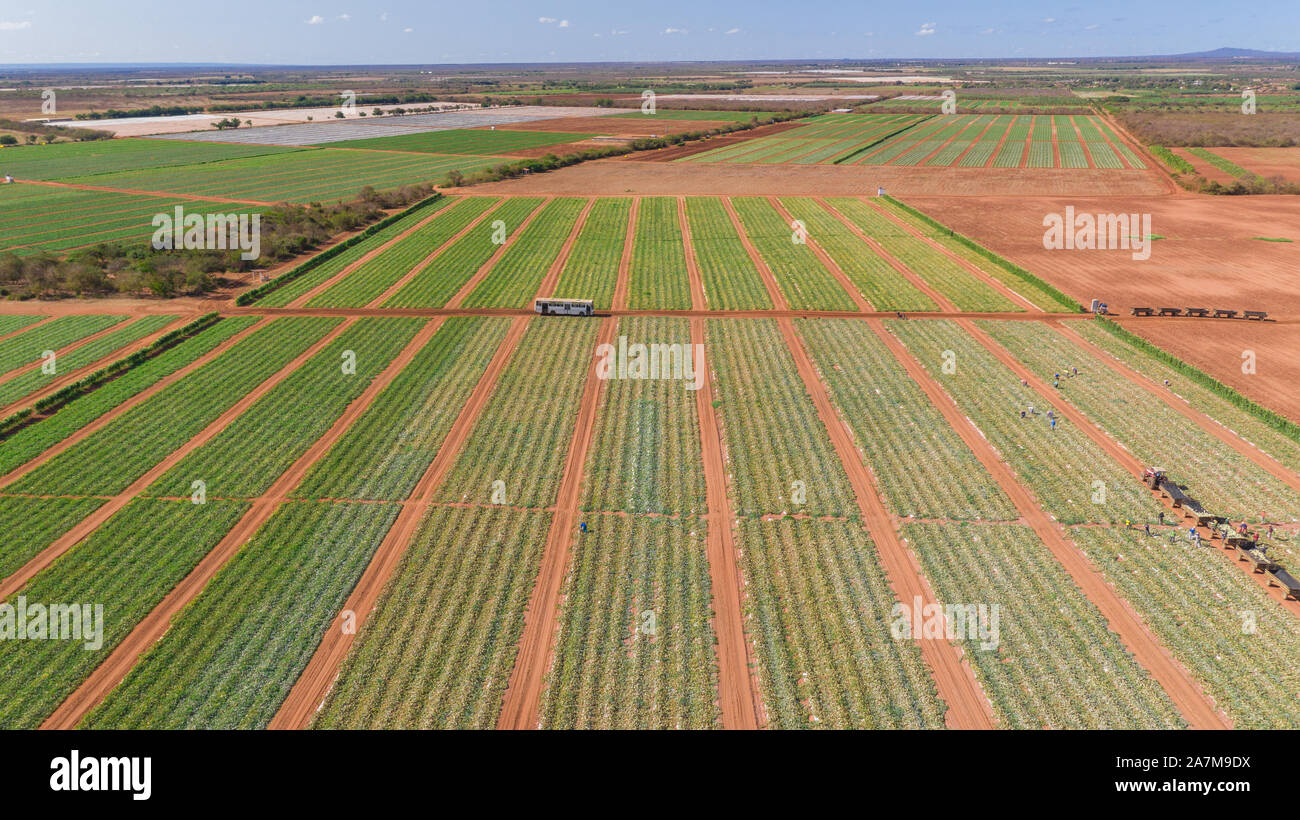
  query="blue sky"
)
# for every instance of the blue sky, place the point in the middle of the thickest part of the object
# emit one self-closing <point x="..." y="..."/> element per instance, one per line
<point x="324" y="32"/>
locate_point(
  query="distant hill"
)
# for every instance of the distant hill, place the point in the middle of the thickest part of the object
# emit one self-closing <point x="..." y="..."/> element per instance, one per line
<point x="1232" y="54"/>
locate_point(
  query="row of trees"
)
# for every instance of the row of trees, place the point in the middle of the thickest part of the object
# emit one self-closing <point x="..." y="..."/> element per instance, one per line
<point x="136" y="268"/>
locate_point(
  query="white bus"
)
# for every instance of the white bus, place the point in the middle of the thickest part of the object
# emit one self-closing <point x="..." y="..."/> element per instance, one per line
<point x="565" y="307"/>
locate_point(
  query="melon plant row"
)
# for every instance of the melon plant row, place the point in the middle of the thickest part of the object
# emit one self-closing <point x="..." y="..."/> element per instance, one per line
<point x="634" y="648"/>
<point x="803" y="279"/>
<point x="779" y="455"/>
<point x="370" y="280"/>
<point x="1236" y="641"/>
<point x="29" y="442"/>
<point x="818" y="611"/>
<point x="15" y="388"/>
<point x="658" y="276"/>
<point x="255" y="625"/>
<point x="386" y="450"/>
<point x="728" y="275"/>
<point x="645" y="451"/>
<point x="1223" y="479"/>
<point x="116" y="455"/>
<point x="318" y="275"/>
<point x="1052" y="662"/>
<point x="167" y="537"/>
<point x="455" y="604"/>
<point x="945" y="275"/>
<point x="39" y="521"/>
<point x="523" y="434"/>
<point x="922" y="466"/>
<point x="516" y="276"/>
<point x="878" y="281"/>
<point x="1070" y="475"/>
<point x="591" y="271"/>
<point x="438" y="281"/>
<point x="29" y="346"/>
<point x="1035" y="294"/>
<point x="246" y="457"/>
<point x="1269" y="439"/>
<point x="297" y="176"/>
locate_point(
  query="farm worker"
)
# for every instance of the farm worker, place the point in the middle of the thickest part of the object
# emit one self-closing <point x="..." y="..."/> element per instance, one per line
<point x="1056" y="383"/>
<point x="1022" y="414"/>
<point x="1128" y="525"/>
<point x="1166" y="382"/>
<point x="1242" y="528"/>
<point x="1053" y="424"/>
<point x="1270" y="530"/>
<point x="1147" y="528"/>
<point x="1196" y="536"/>
<point x="1162" y="518"/>
<point x="583" y="527"/>
<point x="1074" y="371"/>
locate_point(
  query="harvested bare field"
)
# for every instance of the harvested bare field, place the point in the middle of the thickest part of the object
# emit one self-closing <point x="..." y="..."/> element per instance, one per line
<point x="1267" y="162"/>
<point x="1210" y="256"/>
<point x="628" y="175"/>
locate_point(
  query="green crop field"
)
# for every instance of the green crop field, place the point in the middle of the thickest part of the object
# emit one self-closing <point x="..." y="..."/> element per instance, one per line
<point x="77" y="159"/>
<point x="297" y="176"/>
<point x="464" y="141"/>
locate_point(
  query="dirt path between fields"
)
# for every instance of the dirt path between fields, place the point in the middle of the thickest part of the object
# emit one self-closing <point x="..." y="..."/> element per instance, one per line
<point x="302" y="300"/>
<point x="313" y="685"/>
<point x="769" y="280"/>
<point x="406" y="278"/>
<point x="144" y="395"/>
<point x="524" y="692"/>
<point x="827" y="262"/>
<point x="699" y="298"/>
<point x="997" y="284"/>
<point x="486" y="268"/>
<point x="138" y="192"/>
<point x="93" y="521"/>
<point x="59" y="382"/>
<point x="151" y="628"/>
<point x="968" y="706"/>
<point x="552" y="277"/>
<point x="739" y="695"/>
<point x="943" y="302"/>
<point x="749" y="313"/>
<point x="1187" y="696"/>
<point x="621" y="285"/>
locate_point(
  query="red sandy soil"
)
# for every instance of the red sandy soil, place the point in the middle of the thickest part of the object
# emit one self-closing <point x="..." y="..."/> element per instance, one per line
<point x="1205" y="168"/>
<point x="968" y="706"/>
<point x="524" y="692"/>
<point x="1267" y="162"/>
<point x="613" y="177"/>
<point x="1207" y="260"/>
<point x="738" y="694"/>
<point x="619" y="301"/>
<point x="316" y="679"/>
<point x="564" y="148"/>
<point x="115" y="667"/>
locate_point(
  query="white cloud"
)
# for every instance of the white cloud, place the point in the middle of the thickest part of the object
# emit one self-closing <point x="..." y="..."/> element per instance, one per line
<point x="1049" y="19"/>
<point x="315" y="20"/>
<point x="987" y="31"/>
<point x="7" y="26"/>
<point x="345" y="17"/>
<point x="732" y="31"/>
<point x="597" y="34"/>
<point x="407" y="30"/>
<point x="564" y="24"/>
<point x="383" y="17"/>
<point x="546" y="19"/>
<point x="1092" y="27"/>
<point x="671" y="30"/>
<point x="926" y="29"/>
<point x="618" y="32"/>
